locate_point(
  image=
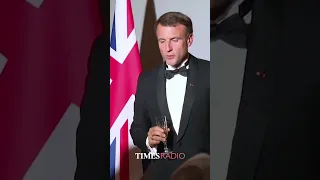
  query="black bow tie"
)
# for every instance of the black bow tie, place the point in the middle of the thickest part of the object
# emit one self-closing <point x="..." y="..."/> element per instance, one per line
<point x="183" y="71"/>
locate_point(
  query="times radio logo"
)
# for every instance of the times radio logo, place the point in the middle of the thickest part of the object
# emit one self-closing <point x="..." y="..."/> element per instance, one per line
<point x="170" y="156"/>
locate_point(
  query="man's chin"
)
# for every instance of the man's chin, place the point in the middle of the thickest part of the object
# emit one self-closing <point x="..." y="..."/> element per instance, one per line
<point x="171" y="62"/>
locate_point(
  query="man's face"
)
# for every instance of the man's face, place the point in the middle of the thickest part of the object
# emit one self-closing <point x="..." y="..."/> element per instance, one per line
<point x="173" y="43"/>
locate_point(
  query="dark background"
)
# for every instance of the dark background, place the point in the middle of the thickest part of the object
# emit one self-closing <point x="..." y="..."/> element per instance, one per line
<point x="93" y="130"/>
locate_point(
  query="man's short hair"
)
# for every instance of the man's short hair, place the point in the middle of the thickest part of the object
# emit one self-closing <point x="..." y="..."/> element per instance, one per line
<point x="173" y="19"/>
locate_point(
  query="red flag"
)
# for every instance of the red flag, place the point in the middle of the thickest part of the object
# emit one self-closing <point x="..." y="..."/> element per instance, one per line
<point x="46" y="45"/>
<point x="125" y="67"/>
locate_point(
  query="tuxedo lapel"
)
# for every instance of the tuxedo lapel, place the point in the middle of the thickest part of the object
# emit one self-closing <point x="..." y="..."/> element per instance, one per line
<point x="189" y="96"/>
<point x="162" y="95"/>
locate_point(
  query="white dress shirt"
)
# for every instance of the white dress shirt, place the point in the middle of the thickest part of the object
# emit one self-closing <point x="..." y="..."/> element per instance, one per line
<point x="175" y="90"/>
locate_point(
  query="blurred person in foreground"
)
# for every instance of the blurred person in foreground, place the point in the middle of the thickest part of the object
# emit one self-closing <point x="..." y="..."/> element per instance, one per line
<point x="196" y="168"/>
<point x="275" y="136"/>
<point x="179" y="90"/>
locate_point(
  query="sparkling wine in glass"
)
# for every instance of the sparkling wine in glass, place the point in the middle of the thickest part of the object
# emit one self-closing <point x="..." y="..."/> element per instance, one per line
<point x="162" y="122"/>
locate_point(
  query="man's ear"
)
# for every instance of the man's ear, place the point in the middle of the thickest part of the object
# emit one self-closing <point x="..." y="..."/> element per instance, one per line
<point x="190" y="40"/>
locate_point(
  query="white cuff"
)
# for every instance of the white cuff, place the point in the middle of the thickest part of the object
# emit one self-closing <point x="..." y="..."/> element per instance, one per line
<point x="152" y="150"/>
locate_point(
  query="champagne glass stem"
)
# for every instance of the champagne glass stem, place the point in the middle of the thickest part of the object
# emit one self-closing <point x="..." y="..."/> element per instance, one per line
<point x="165" y="147"/>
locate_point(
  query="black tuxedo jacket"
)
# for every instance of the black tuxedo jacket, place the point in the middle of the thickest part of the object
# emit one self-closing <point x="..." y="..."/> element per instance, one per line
<point x="276" y="132"/>
<point x="194" y="130"/>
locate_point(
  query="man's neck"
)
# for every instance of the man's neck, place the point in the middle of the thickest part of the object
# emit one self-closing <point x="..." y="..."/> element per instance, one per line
<point x="178" y="65"/>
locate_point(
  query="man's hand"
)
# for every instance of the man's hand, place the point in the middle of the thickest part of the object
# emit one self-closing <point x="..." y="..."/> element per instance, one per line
<point x="156" y="135"/>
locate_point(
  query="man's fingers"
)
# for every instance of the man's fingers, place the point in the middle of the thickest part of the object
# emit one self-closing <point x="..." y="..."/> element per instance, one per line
<point x="158" y="133"/>
<point x="153" y="141"/>
<point x="158" y="138"/>
<point x="157" y="128"/>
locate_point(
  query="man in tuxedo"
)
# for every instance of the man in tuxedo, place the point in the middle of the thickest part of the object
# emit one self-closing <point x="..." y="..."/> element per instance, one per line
<point x="179" y="90"/>
<point x="275" y="136"/>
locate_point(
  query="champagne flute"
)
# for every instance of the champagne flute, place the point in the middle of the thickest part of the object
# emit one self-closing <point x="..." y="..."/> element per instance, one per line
<point x="162" y="122"/>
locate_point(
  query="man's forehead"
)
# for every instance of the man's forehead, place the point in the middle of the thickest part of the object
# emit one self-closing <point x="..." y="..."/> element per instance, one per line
<point x="176" y="29"/>
<point x="173" y="26"/>
<point x="173" y="31"/>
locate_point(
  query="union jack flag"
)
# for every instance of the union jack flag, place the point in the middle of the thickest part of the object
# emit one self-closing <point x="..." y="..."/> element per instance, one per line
<point x="125" y="68"/>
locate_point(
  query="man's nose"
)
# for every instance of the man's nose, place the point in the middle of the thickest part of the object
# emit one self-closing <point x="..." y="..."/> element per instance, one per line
<point x="168" y="47"/>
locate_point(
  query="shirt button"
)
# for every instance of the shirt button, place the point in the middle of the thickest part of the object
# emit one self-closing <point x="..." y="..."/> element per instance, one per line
<point x="261" y="74"/>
